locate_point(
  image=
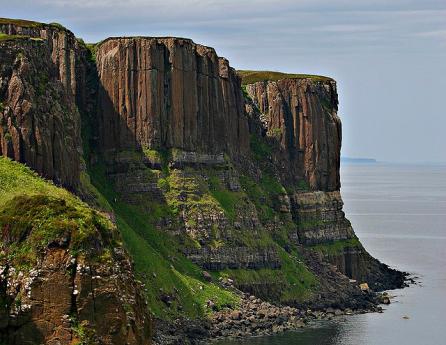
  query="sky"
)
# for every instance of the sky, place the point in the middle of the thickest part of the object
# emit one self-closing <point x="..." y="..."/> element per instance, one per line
<point x="388" y="56"/>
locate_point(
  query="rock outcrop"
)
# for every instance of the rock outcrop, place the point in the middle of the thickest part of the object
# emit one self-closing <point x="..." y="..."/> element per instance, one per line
<point x="64" y="276"/>
<point x="320" y="217"/>
<point x="39" y="120"/>
<point x="168" y="93"/>
<point x="64" y="299"/>
<point x="301" y="114"/>
<point x="298" y="116"/>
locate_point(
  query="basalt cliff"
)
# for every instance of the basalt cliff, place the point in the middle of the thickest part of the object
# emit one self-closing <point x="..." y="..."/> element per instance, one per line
<point x="169" y="189"/>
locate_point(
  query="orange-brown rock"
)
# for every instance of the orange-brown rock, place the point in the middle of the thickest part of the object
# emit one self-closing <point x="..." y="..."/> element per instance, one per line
<point x="301" y="114"/>
<point x="168" y="92"/>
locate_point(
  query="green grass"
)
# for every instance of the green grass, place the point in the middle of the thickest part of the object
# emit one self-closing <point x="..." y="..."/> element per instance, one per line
<point x="336" y="247"/>
<point x="34" y="213"/>
<point x="251" y="77"/>
<point x="292" y="283"/>
<point x="159" y="262"/>
<point x="5" y="37"/>
<point x="260" y="149"/>
<point x="20" y="22"/>
<point x="29" y="23"/>
<point x="227" y="199"/>
<point x="303" y="185"/>
<point x="264" y="195"/>
<point x="58" y="26"/>
<point x="311" y="224"/>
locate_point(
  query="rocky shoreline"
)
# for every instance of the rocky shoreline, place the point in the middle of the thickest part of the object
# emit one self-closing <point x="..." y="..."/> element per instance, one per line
<point x="255" y="317"/>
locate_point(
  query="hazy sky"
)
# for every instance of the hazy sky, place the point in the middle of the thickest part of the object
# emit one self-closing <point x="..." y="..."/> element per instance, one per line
<point x="388" y="56"/>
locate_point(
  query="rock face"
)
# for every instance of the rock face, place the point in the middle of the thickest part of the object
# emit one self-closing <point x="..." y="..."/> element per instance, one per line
<point x="64" y="277"/>
<point x="168" y="92"/>
<point x="39" y="121"/>
<point x="320" y="217"/>
<point x="299" y="117"/>
<point x="64" y="300"/>
<point x="301" y="114"/>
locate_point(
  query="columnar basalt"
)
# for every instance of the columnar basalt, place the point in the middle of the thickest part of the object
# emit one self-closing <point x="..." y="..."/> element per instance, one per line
<point x="39" y="120"/>
<point x="302" y="115"/>
<point x="171" y="93"/>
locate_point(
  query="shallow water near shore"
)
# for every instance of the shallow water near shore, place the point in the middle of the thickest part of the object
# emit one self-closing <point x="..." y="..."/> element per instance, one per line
<point x="399" y="214"/>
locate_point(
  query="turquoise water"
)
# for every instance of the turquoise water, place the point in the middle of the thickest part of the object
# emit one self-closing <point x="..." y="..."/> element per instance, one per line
<point x="399" y="213"/>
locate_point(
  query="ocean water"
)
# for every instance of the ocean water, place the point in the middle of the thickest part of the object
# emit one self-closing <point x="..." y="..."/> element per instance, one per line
<point x="399" y="214"/>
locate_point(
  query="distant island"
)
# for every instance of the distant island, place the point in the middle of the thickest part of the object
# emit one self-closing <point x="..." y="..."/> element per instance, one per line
<point x="350" y="160"/>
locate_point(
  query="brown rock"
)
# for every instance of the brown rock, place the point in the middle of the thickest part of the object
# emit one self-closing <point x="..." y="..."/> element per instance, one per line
<point x="301" y="114"/>
<point x="168" y="92"/>
<point x="39" y="121"/>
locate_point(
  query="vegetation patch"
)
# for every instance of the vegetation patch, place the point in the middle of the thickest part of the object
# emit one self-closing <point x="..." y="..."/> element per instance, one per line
<point x="251" y="77"/>
<point x="337" y="247"/>
<point x="264" y="195"/>
<point x="35" y="214"/>
<point x="5" y="37"/>
<point x="172" y="281"/>
<point x="20" y="22"/>
<point x="292" y="283"/>
<point x="92" y="48"/>
<point x="58" y="26"/>
<point x="227" y="199"/>
<point x="260" y="149"/>
<point x="84" y="333"/>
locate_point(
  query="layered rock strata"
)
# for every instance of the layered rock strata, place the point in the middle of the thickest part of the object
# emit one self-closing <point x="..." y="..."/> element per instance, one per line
<point x="299" y="117"/>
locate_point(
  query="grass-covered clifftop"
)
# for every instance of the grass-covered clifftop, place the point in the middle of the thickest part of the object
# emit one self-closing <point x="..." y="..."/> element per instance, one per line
<point x="251" y="77"/>
<point x="34" y="213"/>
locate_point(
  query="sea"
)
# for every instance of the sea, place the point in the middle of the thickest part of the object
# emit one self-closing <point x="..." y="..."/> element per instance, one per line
<point x="399" y="213"/>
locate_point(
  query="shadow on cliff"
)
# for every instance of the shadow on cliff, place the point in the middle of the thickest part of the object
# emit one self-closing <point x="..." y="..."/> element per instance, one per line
<point x="116" y="163"/>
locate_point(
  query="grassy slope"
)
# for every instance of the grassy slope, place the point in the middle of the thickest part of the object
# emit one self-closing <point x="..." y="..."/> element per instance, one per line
<point x="29" y="23"/>
<point x="158" y="261"/>
<point x="251" y="77"/>
<point x="34" y="213"/>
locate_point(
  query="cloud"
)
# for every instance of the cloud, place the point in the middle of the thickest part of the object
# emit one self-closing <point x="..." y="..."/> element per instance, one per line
<point x="382" y="52"/>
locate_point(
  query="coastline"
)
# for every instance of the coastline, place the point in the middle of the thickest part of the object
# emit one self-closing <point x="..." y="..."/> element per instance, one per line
<point x="255" y="317"/>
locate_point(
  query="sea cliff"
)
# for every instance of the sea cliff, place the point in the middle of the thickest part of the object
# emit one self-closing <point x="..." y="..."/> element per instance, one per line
<point x="220" y="189"/>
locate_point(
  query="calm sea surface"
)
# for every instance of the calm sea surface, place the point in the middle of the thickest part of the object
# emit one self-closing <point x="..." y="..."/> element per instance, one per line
<point x="399" y="213"/>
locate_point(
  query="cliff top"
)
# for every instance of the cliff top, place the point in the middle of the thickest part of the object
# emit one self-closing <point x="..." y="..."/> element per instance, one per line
<point x="159" y="39"/>
<point x="31" y="24"/>
<point x="251" y="77"/>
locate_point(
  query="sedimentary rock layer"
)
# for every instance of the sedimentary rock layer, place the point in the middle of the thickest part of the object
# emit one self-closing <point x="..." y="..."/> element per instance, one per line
<point x="168" y="92"/>
<point x="320" y="217"/>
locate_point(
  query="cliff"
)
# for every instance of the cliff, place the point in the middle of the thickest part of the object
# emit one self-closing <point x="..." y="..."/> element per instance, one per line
<point x="64" y="277"/>
<point x="192" y="165"/>
<point x="39" y="121"/>
<point x="168" y="92"/>
<point x="301" y="114"/>
<point x="298" y="117"/>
